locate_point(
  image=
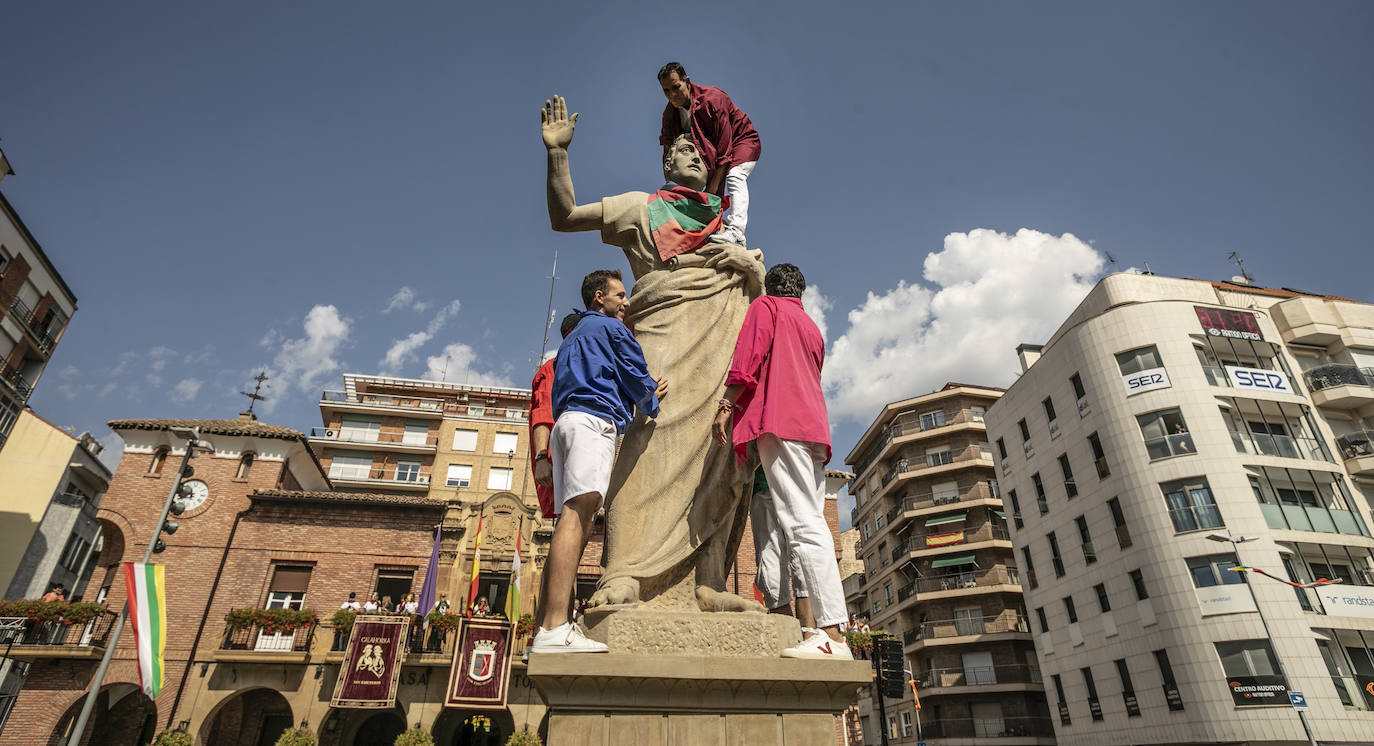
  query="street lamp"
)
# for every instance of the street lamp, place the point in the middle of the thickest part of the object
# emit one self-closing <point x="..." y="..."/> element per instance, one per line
<point x="191" y="436"/>
<point x="1235" y="542"/>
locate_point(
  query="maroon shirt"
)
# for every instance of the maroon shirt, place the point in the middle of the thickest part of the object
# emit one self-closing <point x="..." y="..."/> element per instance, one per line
<point x="723" y="134"/>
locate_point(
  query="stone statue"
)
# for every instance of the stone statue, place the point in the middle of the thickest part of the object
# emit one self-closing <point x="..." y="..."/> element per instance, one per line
<point x="677" y="504"/>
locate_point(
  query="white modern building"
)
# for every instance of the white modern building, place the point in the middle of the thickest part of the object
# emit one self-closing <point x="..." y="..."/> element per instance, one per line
<point x="1164" y="419"/>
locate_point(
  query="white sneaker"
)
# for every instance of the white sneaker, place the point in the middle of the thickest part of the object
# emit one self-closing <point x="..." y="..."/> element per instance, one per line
<point x="565" y="638"/>
<point x="728" y="234"/>
<point x="819" y="646"/>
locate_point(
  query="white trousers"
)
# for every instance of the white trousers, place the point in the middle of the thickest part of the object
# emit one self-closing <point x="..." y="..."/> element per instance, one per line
<point x="778" y="581"/>
<point x="796" y="481"/>
<point x="737" y="187"/>
<point x="582" y="448"/>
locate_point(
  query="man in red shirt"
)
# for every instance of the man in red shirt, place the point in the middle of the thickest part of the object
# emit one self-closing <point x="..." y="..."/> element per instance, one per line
<point x="541" y="424"/>
<point x="723" y="135"/>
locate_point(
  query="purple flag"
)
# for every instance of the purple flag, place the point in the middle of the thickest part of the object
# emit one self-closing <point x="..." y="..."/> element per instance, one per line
<point x="431" y="587"/>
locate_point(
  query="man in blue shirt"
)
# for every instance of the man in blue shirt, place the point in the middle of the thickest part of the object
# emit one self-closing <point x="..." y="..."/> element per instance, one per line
<point x="599" y="379"/>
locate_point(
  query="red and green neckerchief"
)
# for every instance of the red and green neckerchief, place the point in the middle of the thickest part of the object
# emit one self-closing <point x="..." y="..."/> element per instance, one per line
<point x="681" y="219"/>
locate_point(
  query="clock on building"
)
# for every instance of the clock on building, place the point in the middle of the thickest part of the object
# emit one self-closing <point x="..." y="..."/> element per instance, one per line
<point x="196" y="492"/>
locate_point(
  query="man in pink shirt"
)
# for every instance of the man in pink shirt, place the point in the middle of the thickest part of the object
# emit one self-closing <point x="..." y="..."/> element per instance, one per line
<point x="773" y="395"/>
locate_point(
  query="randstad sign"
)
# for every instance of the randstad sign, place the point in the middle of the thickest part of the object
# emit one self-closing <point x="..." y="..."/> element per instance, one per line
<point x="1258" y="379"/>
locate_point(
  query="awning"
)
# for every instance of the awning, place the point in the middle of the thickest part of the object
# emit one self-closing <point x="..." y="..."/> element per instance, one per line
<point x="946" y="518"/>
<point x="962" y="559"/>
<point x="1000" y="514"/>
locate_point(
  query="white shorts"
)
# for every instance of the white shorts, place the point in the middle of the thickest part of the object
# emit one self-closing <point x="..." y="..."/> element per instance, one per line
<point x="582" y="449"/>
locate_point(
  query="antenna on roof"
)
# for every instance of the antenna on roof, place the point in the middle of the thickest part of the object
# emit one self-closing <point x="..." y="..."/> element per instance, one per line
<point x="1245" y="276"/>
<point x="548" y="321"/>
<point x="1110" y="259"/>
<point x="255" y="397"/>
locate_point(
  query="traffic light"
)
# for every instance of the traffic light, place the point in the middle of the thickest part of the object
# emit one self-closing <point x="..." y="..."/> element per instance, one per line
<point x="177" y="507"/>
<point x="888" y="662"/>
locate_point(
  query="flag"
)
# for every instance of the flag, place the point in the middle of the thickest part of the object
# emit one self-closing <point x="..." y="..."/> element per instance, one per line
<point x="146" y="587"/>
<point x="431" y="585"/>
<point x="682" y="219"/>
<point x="939" y="540"/>
<point x="476" y="565"/>
<point x="513" y="593"/>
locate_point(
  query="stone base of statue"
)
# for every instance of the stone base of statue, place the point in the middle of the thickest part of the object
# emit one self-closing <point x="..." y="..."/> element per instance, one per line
<point x="685" y="678"/>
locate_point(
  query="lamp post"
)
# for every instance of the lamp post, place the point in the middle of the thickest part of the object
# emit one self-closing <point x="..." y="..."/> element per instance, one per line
<point x="1235" y="542"/>
<point x="193" y="443"/>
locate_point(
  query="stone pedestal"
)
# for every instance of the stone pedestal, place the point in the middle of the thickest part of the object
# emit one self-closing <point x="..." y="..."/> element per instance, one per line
<point x="693" y="678"/>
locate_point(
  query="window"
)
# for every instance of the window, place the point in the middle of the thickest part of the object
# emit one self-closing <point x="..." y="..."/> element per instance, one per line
<point x="892" y="726"/>
<point x="1247" y="658"/>
<point x="499" y="478"/>
<point x="1138" y="583"/>
<point x="1002" y="448"/>
<point x="1055" y="558"/>
<point x="1166" y="672"/>
<point x="416" y="433"/>
<point x="1079" y="392"/>
<point x="287" y="590"/>
<point x="505" y="443"/>
<point x="245" y="464"/>
<point x="931" y="420"/>
<point x="408" y="470"/>
<point x="360" y="429"/>
<point x="944" y="493"/>
<point x="868" y="529"/>
<point x="1123" y="533"/>
<point x="73" y="553"/>
<point x="1070" y="487"/>
<point x="1040" y="500"/>
<point x="1044" y="622"/>
<point x="888" y="595"/>
<point x="884" y="557"/>
<point x="861" y="496"/>
<point x="1190" y="504"/>
<point x="1094" y="706"/>
<point x="4" y="259"/>
<point x="464" y="440"/>
<point x="1103" y="602"/>
<point x="1165" y="434"/>
<point x="393" y="584"/>
<point x="1048" y="404"/>
<point x="459" y="475"/>
<point x="1030" y="567"/>
<point x="159" y="457"/>
<point x="1016" y="509"/>
<point x="977" y="413"/>
<point x="1099" y="457"/>
<point x="1123" y="672"/>
<point x="1025" y="431"/>
<point x="350" y="465"/>
<point x="906" y="723"/>
<point x="1063" y="704"/>
<point x="1134" y="361"/>
<point x="1071" y="609"/>
<point x="1214" y="569"/>
<point x="1089" y="553"/>
<point x="939" y="456"/>
<point x="878" y="521"/>
<point x="477" y="410"/>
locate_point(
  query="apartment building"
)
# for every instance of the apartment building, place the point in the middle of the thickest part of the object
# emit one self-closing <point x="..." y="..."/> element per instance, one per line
<point x="1168" y="433"/>
<point x="939" y="573"/>
<point x="35" y="306"/>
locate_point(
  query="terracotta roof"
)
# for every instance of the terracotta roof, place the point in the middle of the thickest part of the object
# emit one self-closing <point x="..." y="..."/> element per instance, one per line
<point x="212" y="427"/>
<point x="838" y="474"/>
<point x="351" y="498"/>
<point x="1273" y="292"/>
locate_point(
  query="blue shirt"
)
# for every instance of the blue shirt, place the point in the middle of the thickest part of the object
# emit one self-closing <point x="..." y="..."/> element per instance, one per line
<point x="600" y="370"/>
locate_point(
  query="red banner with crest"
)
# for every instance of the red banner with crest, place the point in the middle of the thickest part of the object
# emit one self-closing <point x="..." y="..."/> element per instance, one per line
<point x="372" y="665"/>
<point x="479" y="677"/>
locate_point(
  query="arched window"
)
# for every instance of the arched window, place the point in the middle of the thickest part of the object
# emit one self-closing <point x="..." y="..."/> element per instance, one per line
<point x="159" y="457"/>
<point x="245" y="463"/>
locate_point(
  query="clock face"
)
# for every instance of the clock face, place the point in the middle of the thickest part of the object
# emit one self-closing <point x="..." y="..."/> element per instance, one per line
<point x="198" y="492"/>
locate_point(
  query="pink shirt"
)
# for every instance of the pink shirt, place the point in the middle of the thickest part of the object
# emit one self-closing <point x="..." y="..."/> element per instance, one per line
<point x="778" y="361"/>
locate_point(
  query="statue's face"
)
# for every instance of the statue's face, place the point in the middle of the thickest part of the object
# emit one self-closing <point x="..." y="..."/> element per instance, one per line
<point x="683" y="164"/>
<point x="678" y="90"/>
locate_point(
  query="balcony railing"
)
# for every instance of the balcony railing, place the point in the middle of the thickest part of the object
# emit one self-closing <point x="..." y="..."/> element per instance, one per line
<point x="964" y="626"/>
<point x="1178" y="444"/>
<point x="1356" y="445"/>
<point x="917" y="501"/>
<point x="937" y="678"/>
<point x="898" y="467"/>
<point x="1339" y="374"/>
<point x="388" y="474"/>
<point x="964" y="580"/>
<point x="21" y="311"/>
<point x="384" y="400"/>
<point x="912" y="423"/>
<point x="1283" y="446"/>
<point x="15" y="378"/>
<point x="489" y="412"/>
<point x="91" y="634"/>
<point x="934" y="539"/>
<point x="257" y="639"/>
<point x="1012" y="727"/>
<point x="356" y="436"/>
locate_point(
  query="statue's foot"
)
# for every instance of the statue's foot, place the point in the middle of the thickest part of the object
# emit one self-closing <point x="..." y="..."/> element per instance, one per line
<point x="618" y="591"/>
<point x="710" y="599"/>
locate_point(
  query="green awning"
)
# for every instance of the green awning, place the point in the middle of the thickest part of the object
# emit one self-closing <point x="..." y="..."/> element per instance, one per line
<point x="962" y="559"/>
<point x="946" y="518"/>
<point x="1000" y="514"/>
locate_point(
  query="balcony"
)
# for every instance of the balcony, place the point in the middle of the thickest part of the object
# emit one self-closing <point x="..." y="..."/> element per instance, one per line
<point x="935" y="539"/>
<point x="963" y="679"/>
<point x="460" y="409"/>
<point x="400" y="442"/>
<point x="1357" y="449"/>
<point x="16" y="380"/>
<point x="962" y="583"/>
<point x="1014" y="727"/>
<point x="30" y="640"/>
<point x="391" y="477"/>
<point x="1178" y="444"/>
<point x="972" y="626"/>
<point x="253" y="643"/>
<point x="923" y="500"/>
<point x="1281" y="446"/>
<point x="1341" y="385"/>
<point x="970" y="454"/>
<point x="911" y="424"/>
<point x="44" y="338"/>
<point x="412" y="406"/>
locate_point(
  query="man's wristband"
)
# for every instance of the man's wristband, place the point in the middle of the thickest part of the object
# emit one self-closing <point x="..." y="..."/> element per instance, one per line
<point x="724" y="404"/>
<point x="542" y="455"/>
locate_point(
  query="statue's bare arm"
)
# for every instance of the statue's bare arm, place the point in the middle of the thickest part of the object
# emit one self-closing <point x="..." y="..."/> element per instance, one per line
<point x="565" y="214"/>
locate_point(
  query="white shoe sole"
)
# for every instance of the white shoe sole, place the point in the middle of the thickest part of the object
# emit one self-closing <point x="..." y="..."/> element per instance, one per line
<point x="567" y="649"/>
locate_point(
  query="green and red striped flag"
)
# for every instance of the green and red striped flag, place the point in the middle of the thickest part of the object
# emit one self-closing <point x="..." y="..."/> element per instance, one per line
<point x="146" y="585"/>
<point x="682" y="219"/>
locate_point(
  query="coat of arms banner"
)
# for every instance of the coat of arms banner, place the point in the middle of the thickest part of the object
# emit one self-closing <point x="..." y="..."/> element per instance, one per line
<point x="479" y="678"/>
<point x="372" y="665"/>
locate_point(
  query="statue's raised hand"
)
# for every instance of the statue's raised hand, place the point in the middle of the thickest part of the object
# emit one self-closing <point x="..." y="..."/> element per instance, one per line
<point x="557" y="126"/>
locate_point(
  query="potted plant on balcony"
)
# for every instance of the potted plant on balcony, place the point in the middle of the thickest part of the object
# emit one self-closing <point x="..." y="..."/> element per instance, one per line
<point x="444" y="623"/>
<point x="414" y="737"/>
<point x="524" y="625"/>
<point x="271" y="620"/>
<point x="343" y="621"/>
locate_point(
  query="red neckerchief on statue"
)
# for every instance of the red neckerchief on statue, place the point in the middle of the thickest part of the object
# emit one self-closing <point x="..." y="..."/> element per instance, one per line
<point x="681" y="220"/>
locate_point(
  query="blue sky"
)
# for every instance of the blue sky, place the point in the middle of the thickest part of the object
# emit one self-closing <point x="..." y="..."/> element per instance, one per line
<point x="299" y="187"/>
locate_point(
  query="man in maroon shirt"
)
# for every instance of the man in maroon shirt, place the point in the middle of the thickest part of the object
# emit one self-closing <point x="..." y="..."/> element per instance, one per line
<point x="723" y="135"/>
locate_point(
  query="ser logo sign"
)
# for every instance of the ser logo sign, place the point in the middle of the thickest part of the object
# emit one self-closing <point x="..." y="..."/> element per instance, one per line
<point x="1145" y="380"/>
<point x="1258" y="379"/>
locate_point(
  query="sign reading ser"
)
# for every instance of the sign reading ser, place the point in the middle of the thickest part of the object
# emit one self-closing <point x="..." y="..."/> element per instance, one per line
<point x="1145" y="380"/>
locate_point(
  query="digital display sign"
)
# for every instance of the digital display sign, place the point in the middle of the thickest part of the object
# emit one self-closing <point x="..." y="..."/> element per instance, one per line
<point x="1226" y="322"/>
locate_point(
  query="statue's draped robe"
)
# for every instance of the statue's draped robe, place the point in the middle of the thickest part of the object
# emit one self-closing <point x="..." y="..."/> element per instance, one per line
<point x="673" y="488"/>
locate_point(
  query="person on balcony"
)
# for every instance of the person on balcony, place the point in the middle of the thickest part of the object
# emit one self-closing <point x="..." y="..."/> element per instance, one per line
<point x="58" y="593"/>
<point x="373" y="604"/>
<point x="351" y="604"/>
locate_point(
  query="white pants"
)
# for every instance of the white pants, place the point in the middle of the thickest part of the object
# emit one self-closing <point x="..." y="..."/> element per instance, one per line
<point x="582" y="449"/>
<point x="779" y="582"/>
<point x="738" y="189"/>
<point x="796" y="481"/>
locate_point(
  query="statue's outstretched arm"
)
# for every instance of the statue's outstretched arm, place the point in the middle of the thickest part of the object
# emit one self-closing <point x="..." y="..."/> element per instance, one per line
<point x="564" y="212"/>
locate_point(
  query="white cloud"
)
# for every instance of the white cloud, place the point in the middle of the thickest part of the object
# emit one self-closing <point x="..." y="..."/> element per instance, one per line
<point x="186" y="390"/>
<point x="815" y="304"/>
<point x="456" y="363"/>
<point x="68" y="371"/>
<point x="125" y="360"/>
<point x="989" y="292"/>
<point x="403" y="350"/>
<point x="405" y="298"/>
<point x="158" y="357"/>
<point x="306" y="361"/>
<point x="154" y="380"/>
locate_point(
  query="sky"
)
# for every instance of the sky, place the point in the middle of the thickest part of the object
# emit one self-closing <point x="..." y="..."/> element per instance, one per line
<point x="319" y="188"/>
